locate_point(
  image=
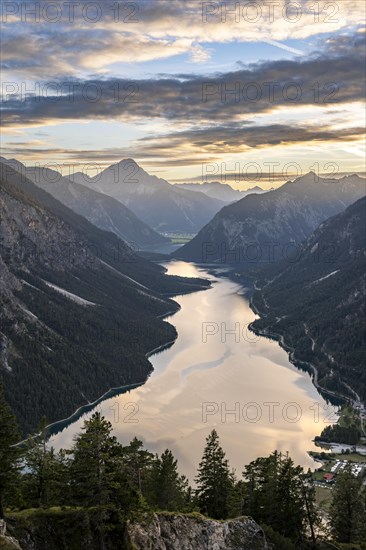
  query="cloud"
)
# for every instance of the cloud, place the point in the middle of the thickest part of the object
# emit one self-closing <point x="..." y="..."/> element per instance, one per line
<point x="200" y="55"/>
<point x="51" y="54"/>
<point x="234" y="138"/>
<point x="143" y="30"/>
<point x="195" y="146"/>
<point x="325" y="79"/>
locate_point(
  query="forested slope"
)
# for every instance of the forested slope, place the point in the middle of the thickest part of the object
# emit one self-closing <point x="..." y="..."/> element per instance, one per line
<point x="317" y="301"/>
<point x="78" y="307"/>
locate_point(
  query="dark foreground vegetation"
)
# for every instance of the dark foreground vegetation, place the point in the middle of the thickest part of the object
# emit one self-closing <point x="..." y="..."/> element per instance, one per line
<point x="85" y="496"/>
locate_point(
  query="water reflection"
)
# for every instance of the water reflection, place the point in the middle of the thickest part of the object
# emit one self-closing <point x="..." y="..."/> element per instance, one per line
<point x="217" y="374"/>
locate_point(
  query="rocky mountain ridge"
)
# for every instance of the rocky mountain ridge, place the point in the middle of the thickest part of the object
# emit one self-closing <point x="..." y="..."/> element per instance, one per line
<point x="220" y="191"/>
<point x="101" y="210"/>
<point x="268" y="227"/>
<point x="163" y="206"/>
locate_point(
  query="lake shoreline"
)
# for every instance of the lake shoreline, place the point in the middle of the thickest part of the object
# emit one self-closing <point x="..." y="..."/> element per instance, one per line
<point x="59" y="425"/>
<point x="179" y="384"/>
<point x="299" y="364"/>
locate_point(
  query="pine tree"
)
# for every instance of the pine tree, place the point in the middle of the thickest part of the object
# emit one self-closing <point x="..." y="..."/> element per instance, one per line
<point x="280" y="495"/>
<point x="290" y="521"/>
<point x="261" y="476"/>
<point x="137" y="462"/>
<point x="312" y="513"/>
<point x="213" y="479"/>
<point x="39" y="462"/>
<point x="45" y="482"/>
<point x="348" y="511"/>
<point x="98" y="477"/>
<point x="9" y="455"/>
<point x="168" y="489"/>
<point x="95" y="454"/>
<point x="236" y="496"/>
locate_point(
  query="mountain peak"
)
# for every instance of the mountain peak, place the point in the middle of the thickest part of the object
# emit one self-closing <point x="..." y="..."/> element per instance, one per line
<point x="255" y="188"/>
<point x="154" y="200"/>
<point x="308" y="177"/>
<point x="127" y="161"/>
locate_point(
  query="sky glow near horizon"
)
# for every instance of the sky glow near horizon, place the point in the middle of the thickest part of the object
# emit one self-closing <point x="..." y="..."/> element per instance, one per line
<point x="192" y="91"/>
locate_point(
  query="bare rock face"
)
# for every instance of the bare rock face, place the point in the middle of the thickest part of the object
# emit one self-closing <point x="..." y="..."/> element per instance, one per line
<point x="7" y="543"/>
<point x="180" y="532"/>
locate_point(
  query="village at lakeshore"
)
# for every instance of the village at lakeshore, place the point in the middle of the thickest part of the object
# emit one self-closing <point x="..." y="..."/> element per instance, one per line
<point x="336" y="457"/>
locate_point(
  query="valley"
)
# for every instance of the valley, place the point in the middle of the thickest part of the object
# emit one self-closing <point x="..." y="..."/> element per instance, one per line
<point x="216" y="381"/>
<point x="183" y="275"/>
<point x="80" y="310"/>
<point x="164" y="351"/>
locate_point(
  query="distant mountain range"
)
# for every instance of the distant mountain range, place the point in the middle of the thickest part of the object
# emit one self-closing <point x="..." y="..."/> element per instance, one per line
<point x="317" y="303"/>
<point x="103" y="211"/>
<point x="220" y="191"/>
<point x="78" y="307"/>
<point x="162" y="206"/>
<point x="269" y="226"/>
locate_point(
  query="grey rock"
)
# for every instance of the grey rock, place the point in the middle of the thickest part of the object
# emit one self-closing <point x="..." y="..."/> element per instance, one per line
<point x="7" y="543"/>
<point x="182" y="532"/>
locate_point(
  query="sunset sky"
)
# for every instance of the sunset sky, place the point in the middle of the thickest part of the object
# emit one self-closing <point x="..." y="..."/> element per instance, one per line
<point x="87" y="82"/>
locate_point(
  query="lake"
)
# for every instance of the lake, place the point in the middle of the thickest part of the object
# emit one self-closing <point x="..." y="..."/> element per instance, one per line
<point x="217" y="374"/>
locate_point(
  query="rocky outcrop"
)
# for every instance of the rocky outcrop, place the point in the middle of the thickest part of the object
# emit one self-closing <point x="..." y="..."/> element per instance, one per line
<point x="7" y="543"/>
<point x="72" y="528"/>
<point x="195" y="532"/>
